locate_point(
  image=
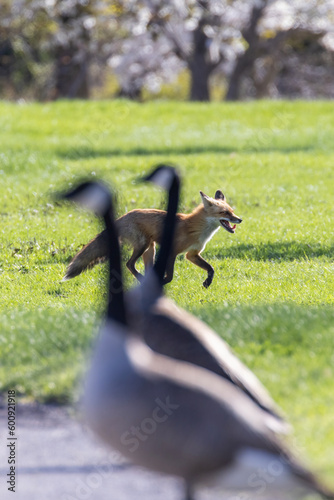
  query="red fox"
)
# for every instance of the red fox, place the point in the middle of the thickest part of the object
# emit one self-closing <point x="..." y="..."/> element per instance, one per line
<point x="142" y="229"/>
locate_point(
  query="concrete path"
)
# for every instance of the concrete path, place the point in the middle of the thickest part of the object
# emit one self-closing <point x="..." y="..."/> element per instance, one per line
<point x="58" y="458"/>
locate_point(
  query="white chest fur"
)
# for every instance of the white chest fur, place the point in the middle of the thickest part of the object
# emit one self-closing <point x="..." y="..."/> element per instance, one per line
<point x="209" y="229"/>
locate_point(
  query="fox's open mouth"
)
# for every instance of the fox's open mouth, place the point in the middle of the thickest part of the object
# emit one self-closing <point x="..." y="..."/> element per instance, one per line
<point x="226" y="225"/>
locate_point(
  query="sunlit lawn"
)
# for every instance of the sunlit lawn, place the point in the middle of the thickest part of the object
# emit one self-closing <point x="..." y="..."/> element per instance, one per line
<point x="272" y="296"/>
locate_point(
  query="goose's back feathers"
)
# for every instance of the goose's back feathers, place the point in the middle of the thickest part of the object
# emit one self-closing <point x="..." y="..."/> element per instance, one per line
<point x="173" y="332"/>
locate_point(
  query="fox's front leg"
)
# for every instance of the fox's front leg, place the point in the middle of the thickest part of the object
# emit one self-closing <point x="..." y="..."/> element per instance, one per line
<point x="196" y="259"/>
<point x="148" y="256"/>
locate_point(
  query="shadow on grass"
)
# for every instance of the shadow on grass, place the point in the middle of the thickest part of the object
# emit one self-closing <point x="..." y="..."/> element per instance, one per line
<point x="85" y="152"/>
<point x="273" y="251"/>
<point x="278" y="250"/>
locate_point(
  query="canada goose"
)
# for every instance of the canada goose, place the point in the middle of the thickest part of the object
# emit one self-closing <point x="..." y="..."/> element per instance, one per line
<point x="171" y="416"/>
<point x="172" y="331"/>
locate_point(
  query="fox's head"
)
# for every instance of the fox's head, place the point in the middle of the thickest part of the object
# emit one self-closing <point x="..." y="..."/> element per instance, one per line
<point x="219" y="209"/>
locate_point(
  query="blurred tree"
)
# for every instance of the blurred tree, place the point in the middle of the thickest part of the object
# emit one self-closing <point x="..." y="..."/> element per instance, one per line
<point x="74" y="19"/>
<point x="16" y="55"/>
<point x="59" y="48"/>
<point x="140" y="57"/>
<point x="192" y="31"/>
<point x="315" y="75"/>
<point x="246" y="59"/>
<point x="80" y="30"/>
<point x="195" y="33"/>
<point x="6" y="49"/>
<point x="244" y="40"/>
<point x="271" y="27"/>
<point x="50" y="44"/>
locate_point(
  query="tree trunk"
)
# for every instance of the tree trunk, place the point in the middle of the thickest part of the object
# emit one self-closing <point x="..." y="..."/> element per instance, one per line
<point x="7" y="59"/>
<point x="72" y="56"/>
<point x="71" y="74"/>
<point x="133" y="93"/>
<point x="264" y="84"/>
<point x="246" y="60"/>
<point x="200" y="66"/>
<point x="199" y="73"/>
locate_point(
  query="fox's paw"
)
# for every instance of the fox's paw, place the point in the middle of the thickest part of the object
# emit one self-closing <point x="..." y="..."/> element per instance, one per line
<point x="207" y="282"/>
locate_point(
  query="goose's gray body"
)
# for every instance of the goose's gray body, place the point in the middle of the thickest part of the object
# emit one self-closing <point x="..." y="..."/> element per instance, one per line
<point x="128" y="384"/>
<point x="179" y="419"/>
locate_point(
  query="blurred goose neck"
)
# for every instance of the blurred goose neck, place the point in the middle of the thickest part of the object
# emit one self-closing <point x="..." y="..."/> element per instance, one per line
<point x="116" y="305"/>
<point x="169" y="230"/>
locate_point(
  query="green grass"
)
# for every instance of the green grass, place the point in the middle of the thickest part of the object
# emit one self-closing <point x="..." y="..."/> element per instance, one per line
<point x="272" y="295"/>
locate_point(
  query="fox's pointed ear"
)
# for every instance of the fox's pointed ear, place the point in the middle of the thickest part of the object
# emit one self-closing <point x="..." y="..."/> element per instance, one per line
<point x="206" y="200"/>
<point x="219" y="195"/>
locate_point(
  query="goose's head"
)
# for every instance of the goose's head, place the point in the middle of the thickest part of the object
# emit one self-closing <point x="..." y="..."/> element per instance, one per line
<point x="93" y="195"/>
<point x="162" y="175"/>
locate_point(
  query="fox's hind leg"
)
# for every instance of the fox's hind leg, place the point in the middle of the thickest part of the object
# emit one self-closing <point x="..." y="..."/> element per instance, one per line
<point x="131" y="264"/>
<point x="148" y="256"/>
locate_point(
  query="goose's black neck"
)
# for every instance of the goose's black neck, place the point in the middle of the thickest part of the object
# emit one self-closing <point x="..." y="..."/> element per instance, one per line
<point x="116" y="306"/>
<point x="169" y="230"/>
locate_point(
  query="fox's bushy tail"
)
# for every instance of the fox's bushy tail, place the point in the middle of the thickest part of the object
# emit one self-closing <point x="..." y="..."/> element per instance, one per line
<point x="91" y="254"/>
